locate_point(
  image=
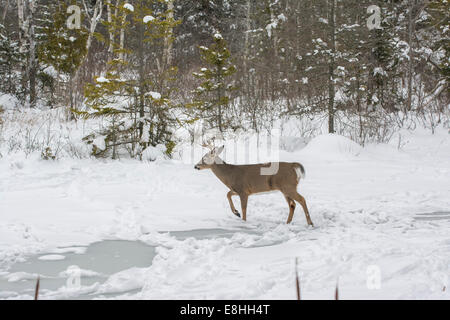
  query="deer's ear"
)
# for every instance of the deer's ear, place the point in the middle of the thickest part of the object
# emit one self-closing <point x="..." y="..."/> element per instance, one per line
<point x="219" y="150"/>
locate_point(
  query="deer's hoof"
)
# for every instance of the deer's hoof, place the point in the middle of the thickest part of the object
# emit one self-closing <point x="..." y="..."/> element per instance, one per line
<point x="237" y="214"/>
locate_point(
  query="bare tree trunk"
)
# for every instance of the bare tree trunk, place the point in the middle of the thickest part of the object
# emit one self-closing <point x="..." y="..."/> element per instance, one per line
<point x="70" y="114"/>
<point x="32" y="59"/>
<point x="111" y="30"/>
<point x="274" y="36"/>
<point x="114" y="138"/>
<point x="331" y="84"/>
<point x="74" y="78"/>
<point x="247" y="47"/>
<point x="27" y="36"/>
<point x="97" y="14"/>
<point x="22" y="37"/>
<point x="122" y="38"/>
<point x="410" y="54"/>
<point x="111" y="35"/>
<point x="247" y="36"/>
<point x="168" y="43"/>
<point x="5" y="11"/>
<point x="219" y="98"/>
<point x="20" y="14"/>
<point x="141" y="67"/>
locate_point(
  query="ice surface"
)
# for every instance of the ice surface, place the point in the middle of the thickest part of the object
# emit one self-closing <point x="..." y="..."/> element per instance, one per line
<point x="95" y="265"/>
<point x="52" y="257"/>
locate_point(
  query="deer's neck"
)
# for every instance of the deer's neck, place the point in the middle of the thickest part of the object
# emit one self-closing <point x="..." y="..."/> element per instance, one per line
<point x="222" y="171"/>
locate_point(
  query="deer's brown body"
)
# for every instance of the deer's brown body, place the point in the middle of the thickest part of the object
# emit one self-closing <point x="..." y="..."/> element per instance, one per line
<point x="245" y="180"/>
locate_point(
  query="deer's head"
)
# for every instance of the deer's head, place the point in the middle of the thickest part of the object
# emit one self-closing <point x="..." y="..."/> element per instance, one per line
<point x="209" y="159"/>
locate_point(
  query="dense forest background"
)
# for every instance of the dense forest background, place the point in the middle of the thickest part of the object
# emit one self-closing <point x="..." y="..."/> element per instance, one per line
<point x="148" y="67"/>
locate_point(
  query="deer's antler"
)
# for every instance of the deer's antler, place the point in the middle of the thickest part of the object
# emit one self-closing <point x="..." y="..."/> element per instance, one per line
<point x="209" y="144"/>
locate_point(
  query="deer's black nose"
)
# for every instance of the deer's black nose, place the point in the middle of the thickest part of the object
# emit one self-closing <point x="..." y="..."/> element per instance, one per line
<point x="197" y="168"/>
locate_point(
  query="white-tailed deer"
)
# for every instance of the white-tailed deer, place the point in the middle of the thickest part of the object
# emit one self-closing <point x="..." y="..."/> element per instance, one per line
<point x="245" y="180"/>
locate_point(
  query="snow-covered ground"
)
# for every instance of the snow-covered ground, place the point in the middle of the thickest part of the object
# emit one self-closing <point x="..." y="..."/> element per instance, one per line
<point x="380" y="214"/>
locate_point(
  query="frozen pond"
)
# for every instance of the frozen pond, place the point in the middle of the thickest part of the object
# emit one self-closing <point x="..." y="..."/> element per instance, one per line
<point x="97" y="262"/>
<point x="92" y="265"/>
<point x="201" y="234"/>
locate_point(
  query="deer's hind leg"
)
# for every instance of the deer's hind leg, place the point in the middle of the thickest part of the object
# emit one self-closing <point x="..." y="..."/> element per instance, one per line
<point x="244" y="199"/>
<point x="291" y="204"/>
<point x="233" y="209"/>
<point x="297" y="197"/>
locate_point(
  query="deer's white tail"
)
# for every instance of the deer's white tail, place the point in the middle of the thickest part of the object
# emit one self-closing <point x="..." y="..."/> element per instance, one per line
<point x="300" y="171"/>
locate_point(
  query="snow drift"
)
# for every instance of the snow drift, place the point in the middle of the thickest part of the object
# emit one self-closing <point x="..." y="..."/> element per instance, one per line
<point x="332" y="146"/>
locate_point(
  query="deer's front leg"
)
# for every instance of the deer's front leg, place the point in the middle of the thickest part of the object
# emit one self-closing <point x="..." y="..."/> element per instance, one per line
<point x="233" y="209"/>
<point x="244" y="199"/>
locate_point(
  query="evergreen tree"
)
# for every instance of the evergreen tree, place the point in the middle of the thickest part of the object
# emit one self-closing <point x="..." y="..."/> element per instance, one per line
<point x="61" y="48"/>
<point x="10" y="58"/>
<point x="133" y="95"/>
<point x="212" y="97"/>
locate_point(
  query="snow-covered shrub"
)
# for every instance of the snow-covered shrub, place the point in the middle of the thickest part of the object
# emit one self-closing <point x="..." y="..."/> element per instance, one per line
<point x="47" y="154"/>
<point x="154" y="153"/>
<point x="44" y="132"/>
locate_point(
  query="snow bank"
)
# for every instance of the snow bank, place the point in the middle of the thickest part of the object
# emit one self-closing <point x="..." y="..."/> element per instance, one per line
<point x="332" y="146"/>
<point x="8" y="101"/>
<point x="154" y="153"/>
